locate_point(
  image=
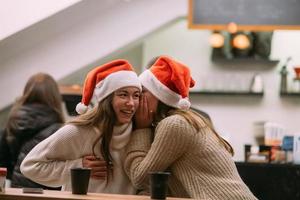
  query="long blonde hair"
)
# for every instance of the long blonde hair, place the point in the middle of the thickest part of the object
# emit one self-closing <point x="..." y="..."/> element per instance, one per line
<point x="103" y="118"/>
<point x="193" y="118"/>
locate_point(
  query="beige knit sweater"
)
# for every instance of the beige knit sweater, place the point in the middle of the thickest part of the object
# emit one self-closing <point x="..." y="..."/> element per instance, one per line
<point x="200" y="166"/>
<point x="49" y="162"/>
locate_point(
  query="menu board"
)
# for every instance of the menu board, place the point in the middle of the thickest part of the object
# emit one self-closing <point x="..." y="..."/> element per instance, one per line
<point x="253" y="15"/>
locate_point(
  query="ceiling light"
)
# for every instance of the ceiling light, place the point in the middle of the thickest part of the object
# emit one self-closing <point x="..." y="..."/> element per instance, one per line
<point x="232" y="27"/>
<point x="241" y="41"/>
<point x="216" y="40"/>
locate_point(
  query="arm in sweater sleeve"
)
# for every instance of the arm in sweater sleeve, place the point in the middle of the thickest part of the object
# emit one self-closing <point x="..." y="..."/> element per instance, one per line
<point x="49" y="162"/>
<point x="173" y="137"/>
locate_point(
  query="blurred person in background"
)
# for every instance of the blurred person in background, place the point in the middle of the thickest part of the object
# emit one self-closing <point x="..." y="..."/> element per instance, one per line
<point x="95" y="139"/>
<point x="34" y="116"/>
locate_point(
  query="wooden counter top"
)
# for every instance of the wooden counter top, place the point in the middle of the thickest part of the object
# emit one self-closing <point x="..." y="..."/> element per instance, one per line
<point x="17" y="194"/>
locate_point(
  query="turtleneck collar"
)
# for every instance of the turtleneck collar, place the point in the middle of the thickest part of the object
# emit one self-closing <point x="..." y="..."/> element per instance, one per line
<point x="121" y="136"/>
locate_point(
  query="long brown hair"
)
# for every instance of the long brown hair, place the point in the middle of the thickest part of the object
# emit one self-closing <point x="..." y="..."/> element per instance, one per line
<point x="103" y="118"/>
<point x="40" y="88"/>
<point x="193" y="118"/>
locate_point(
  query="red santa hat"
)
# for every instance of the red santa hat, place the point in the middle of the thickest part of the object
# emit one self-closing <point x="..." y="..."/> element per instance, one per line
<point x="105" y="79"/>
<point x="169" y="81"/>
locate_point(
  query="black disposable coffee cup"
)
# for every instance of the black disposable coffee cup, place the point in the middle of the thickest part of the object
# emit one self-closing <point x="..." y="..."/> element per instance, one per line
<point x="159" y="184"/>
<point x="80" y="178"/>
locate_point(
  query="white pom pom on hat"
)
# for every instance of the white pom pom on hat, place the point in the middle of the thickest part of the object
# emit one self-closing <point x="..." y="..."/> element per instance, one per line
<point x="170" y="81"/>
<point x="81" y="108"/>
<point x="105" y="79"/>
<point x="184" y="104"/>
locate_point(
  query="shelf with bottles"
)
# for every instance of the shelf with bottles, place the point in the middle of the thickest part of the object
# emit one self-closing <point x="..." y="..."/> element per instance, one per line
<point x="290" y="94"/>
<point x="252" y="60"/>
<point x="231" y="84"/>
<point x="289" y="88"/>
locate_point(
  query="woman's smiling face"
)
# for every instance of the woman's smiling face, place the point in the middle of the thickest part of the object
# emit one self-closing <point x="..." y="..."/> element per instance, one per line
<point x="125" y="102"/>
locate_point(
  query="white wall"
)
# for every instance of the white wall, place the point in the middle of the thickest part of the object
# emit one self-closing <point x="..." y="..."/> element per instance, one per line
<point x="16" y="15"/>
<point x="134" y="55"/>
<point x="233" y="116"/>
<point x="77" y="37"/>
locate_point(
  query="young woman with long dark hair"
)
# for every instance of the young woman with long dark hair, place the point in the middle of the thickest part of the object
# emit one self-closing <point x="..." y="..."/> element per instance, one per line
<point x="97" y="138"/>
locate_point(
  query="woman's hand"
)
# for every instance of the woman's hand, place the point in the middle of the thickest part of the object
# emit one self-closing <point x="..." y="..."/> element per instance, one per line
<point x="98" y="166"/>
<point x="143" y="116"/>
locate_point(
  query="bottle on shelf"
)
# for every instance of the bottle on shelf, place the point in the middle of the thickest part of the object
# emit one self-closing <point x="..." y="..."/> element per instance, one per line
<point x="283" y="76"/>
<point x="257" y="85"/>
<point x="296" y="148"/>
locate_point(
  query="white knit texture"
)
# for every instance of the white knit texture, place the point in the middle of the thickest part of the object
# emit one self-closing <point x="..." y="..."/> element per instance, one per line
<point x="49" y="162"/>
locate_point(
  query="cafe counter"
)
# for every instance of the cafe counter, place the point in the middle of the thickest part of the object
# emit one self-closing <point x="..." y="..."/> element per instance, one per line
<point x="270" y="180"/>
<point x="17" y="194"/>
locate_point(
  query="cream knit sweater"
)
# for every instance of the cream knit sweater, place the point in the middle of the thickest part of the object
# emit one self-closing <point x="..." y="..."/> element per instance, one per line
<point x="49" y="163"/>
<point x="200" y="166"/>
